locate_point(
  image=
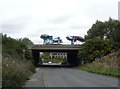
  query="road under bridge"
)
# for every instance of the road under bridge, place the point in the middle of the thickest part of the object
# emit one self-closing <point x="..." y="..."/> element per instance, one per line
<point x="71" y="51"/>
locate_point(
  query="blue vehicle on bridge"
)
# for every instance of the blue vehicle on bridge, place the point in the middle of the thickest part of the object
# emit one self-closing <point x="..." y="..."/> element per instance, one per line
<point x="49" y="39"/>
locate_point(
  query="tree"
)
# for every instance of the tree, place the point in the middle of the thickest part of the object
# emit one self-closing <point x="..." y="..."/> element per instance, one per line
<point x="95" y="48"/>
<point x="109" y="29"/>
<point x="26" y="42"/>
<point x="12" y="48"/>
<point x="96" y="31"/>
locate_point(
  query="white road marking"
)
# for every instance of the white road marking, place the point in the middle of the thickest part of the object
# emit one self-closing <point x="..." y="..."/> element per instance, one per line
<point x="45" y="80"/>
<point x="34" y="79"/>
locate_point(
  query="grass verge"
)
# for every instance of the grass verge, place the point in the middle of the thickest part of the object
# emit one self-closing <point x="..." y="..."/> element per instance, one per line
<point x="107" y="65"/>
<point x="114" y="73"/>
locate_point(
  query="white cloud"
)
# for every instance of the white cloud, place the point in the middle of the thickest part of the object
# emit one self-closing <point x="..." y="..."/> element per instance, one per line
<point x="31" y="18"/>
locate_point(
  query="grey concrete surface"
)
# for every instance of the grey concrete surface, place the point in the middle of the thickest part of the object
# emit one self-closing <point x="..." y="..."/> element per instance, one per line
<point x="56" y="47"/>
<point x="69" y="77"/>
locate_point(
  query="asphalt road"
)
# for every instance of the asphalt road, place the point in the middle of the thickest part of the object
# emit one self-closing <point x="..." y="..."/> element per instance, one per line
<point x="69" y="77"/>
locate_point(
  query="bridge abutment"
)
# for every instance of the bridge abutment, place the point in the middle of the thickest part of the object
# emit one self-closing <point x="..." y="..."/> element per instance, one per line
<point x="36" y="57"/>
<point x="72" y="58"/>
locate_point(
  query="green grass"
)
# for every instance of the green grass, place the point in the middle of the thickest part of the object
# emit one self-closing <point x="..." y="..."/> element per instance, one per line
<point x="107" y="65"/>
<point x="114" y="73"/>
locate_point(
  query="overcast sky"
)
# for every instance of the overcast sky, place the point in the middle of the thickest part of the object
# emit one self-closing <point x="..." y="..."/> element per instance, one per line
<point x="31" y="18"/>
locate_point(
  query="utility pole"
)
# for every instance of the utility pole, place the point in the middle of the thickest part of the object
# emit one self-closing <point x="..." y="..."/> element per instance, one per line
<point x="23" y="54"/>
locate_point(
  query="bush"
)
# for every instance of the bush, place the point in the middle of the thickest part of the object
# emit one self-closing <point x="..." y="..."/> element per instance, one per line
<point x="96" y="48"/>
<point x="16" y="72"/>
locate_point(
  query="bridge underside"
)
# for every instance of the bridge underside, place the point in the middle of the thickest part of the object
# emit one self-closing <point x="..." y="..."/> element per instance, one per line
<point x="72" y="59"/>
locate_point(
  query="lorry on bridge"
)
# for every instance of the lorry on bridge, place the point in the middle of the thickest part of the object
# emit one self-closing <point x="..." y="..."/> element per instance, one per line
<point x="73" y="39"/>
<point x="49" y="39"/>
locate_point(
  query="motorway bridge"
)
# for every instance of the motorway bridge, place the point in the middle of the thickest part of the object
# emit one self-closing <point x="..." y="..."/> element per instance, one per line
<point x="71" y="51"/>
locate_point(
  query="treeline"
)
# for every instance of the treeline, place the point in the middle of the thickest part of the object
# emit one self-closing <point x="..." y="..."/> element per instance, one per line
<point x="15" y="70"/>
<point x="13" y="48"/>
<point x="102" y="39"/>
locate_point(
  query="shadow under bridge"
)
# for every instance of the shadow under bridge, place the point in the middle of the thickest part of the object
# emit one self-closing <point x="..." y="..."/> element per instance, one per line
<point x="71" y="51"/>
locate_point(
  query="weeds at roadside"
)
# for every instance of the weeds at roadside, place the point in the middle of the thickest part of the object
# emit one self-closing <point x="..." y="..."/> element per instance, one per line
<point x="107" y="65"/>
<point x="16" y="72"/>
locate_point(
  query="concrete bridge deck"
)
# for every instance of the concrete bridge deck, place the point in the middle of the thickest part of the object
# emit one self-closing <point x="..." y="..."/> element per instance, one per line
<point x="56" y="47"/>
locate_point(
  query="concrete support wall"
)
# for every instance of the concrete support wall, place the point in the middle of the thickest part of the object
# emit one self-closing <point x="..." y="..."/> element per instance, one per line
<point x="35" y="55"/>
<point x="72" y="58"/>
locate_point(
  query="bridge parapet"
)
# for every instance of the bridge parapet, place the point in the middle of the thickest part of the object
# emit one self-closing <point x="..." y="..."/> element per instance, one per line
<point x="56" y="47"/>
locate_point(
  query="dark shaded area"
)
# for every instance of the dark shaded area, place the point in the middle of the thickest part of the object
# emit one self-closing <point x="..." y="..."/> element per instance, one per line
<point x="71" y="51"/>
